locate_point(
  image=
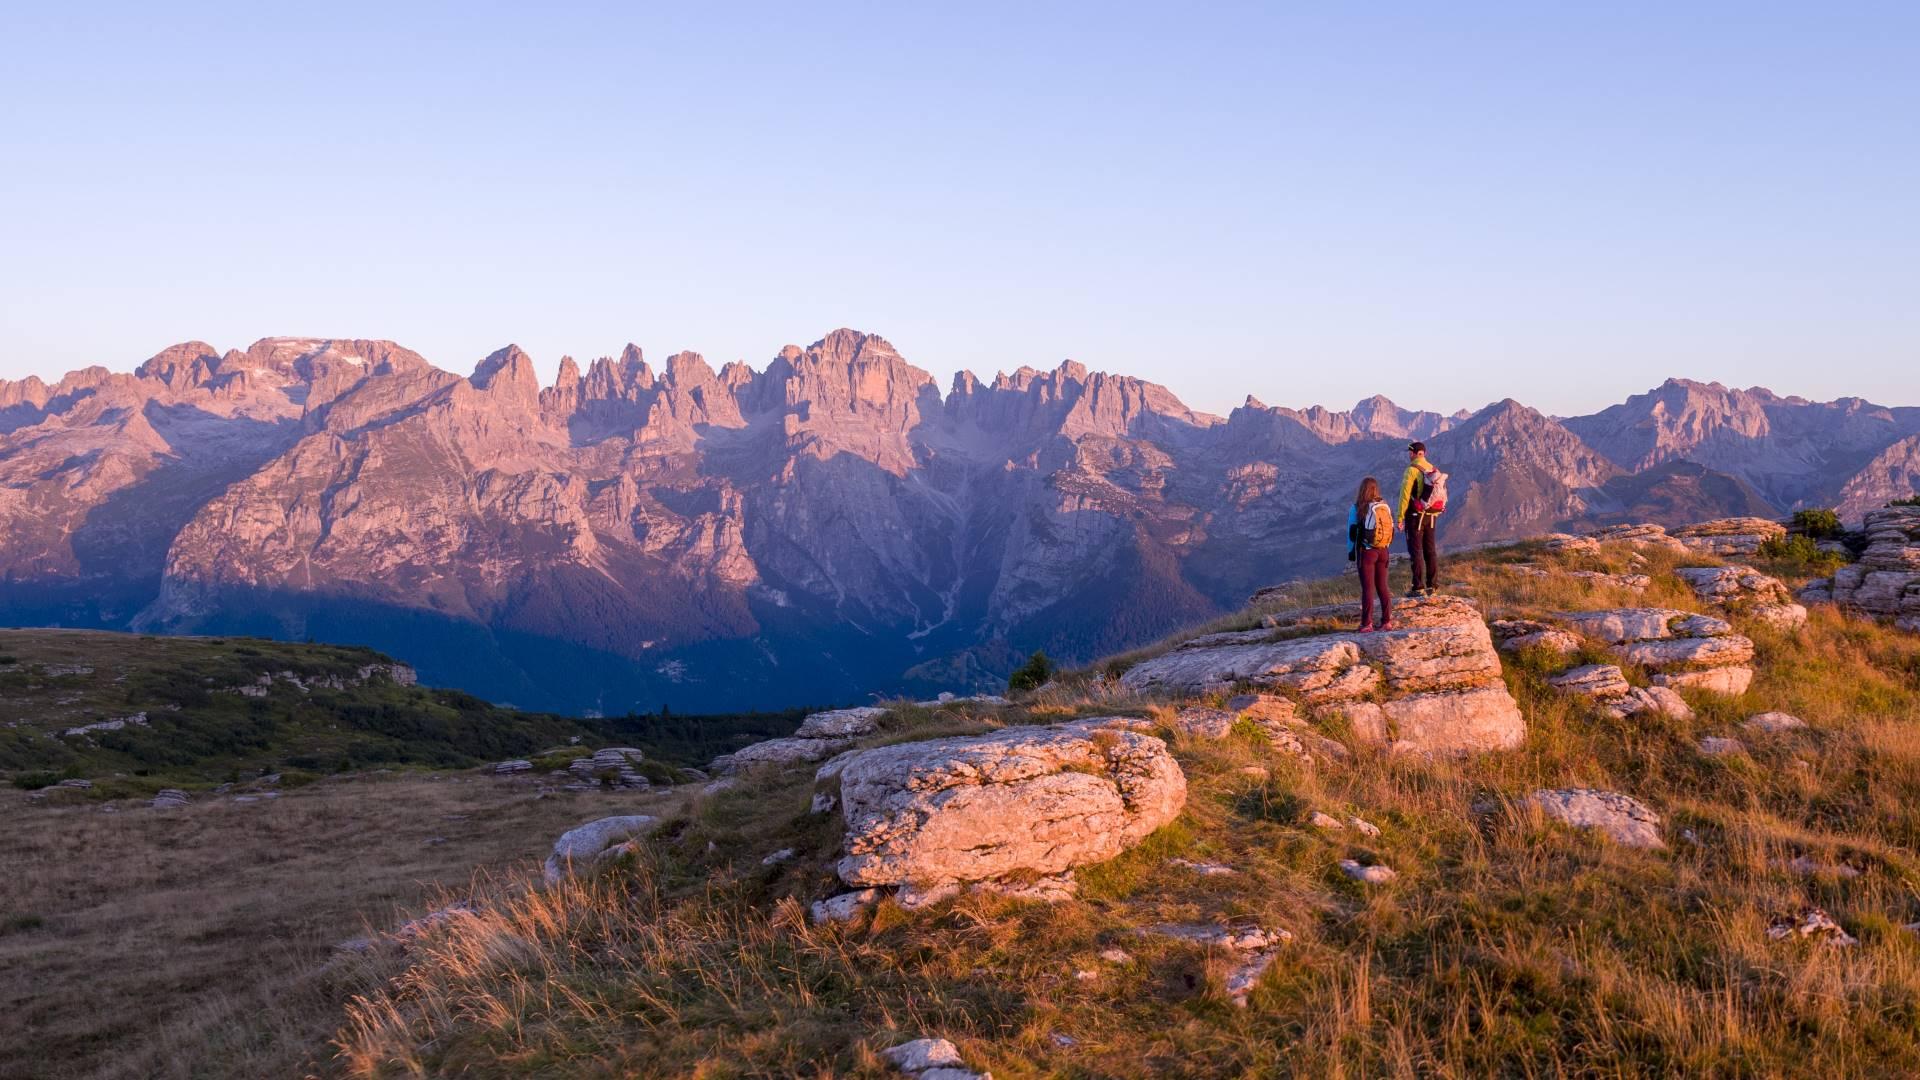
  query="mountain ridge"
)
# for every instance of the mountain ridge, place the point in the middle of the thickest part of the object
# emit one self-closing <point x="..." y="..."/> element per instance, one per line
<point x="829" y="524"/>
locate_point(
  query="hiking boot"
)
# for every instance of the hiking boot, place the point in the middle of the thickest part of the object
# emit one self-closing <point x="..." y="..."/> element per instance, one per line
<point x="1412" y="594"/>
<point x="1388" y="625"/>
<point x="1365" y="628"/>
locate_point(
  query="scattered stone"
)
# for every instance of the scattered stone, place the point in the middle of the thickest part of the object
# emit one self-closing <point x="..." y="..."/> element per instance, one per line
<point x="1270" y="712"/>
<point x="115" y="724"/>
<point x="1773" y="723"/>
<point x="1747" y="591"/>
<point x="1116" y="956"/>
<point x="1812" y="922"/>
<point x="1601" y="682"/>
<point x="1371" y="875"/>
<point x="1204" y="869"/>
<point x="1515" y="635"/>
<point x="1365" y="827"/>
<point x="1203" y="722"/>
<point x="823" y="802"/>
<point x="75" y="783"/>
<point x="841" y="723"/>
<point x="1808" y="866"/>
<point x="931" y="1059"/>
<point x="1686" y="650"/>
<point x="594" y="842"/>
<point x="1719" y="746"/>
<point x="1022" y="799"/>
<point x="1622" y="818"/>
<point x="168" y="798"/>
<point x="783" y="855"/>
<point x="1726" y="681"/>
<point x="844" y="908"/>
<point x="509" y="768"/>
<point x="1566" y="543"/>
<point x="1256" y="948"/>
<point x="1324" y="820"/>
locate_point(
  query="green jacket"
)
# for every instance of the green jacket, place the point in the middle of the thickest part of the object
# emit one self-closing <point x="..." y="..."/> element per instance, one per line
<point x="1409" y="484"/>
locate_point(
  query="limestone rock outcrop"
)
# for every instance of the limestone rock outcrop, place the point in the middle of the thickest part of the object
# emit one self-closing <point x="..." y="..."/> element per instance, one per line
<point x="596" y="841"/>
<point x="1623" y="818"/>
<point x="1746" y="591"/>
<point x="1682" y="649"/>
<point x="819" y="737"/>
<point x="1437" y="676"/>
<point x="1023" y="800"/>
<point x="1885" y="582"/>
<point x="1741" y="536"/>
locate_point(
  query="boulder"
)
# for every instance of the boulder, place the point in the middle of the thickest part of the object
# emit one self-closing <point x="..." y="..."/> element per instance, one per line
<point x="1726" y="681"/>
<point x="1740" y="536"/>
<point x="1438" y="674"/>
<point x="1651" y="536"/>
<point x="1514" y="635"/>
<point x="1747" y="591"/>
<point x="1375" y="874"/>
<point x="1035" y="800"/>
<point x="820" y="736"/>
<point x="1773" y="723"/>
<point x="1622" y="818"/>
<point x="1598" y="681"/>
<point x="168" y="798"/>
<point x="1721" y="746"/>
<point x="593" y="842"/>
<point x="1704" y="652"/>
<point x="1568" y="544"/>
<point x="509" y="768"/>
<point x="843" y="908"/>
<point x="1657" y="700"/>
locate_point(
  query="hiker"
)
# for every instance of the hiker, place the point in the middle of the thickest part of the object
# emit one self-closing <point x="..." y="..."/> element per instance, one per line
<point x="1369" y="539"/>
<point x="1423" y="496"/>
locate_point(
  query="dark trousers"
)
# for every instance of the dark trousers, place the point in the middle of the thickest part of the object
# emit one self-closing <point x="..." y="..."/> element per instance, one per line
<point x="1420" y="548"/>
<point x="1373" y="586"/>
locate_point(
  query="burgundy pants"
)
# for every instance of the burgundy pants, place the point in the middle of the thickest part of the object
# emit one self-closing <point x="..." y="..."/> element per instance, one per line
<point x="1373" y="586"/>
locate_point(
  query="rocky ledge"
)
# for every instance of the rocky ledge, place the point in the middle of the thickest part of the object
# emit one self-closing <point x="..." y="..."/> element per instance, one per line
<point x="1746" y="591"/>
<point x="1432" y="685"/>
<point x="1682" y="650"/>
<point x="1885" y="582"/>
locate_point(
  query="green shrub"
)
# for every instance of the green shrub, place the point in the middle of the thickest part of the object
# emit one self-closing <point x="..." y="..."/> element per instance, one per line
<point x="1031" y="675"/>
<point x="1799" y="555"/>
<point x="1819" y="524"/>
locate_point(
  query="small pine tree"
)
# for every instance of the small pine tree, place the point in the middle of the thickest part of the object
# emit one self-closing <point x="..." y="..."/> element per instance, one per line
<point x="1031" y="675"/>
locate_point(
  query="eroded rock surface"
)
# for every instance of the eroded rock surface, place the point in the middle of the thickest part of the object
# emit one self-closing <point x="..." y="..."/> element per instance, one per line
<point x="1885" y="582"/>
<point x="1037" y="800"/>
<point x="1740" y="536"/>
<point x="1624" y="819"/>
<point x="1746" y="591"/>
<point x="1437" y="677"/>
<point x="819" y="737"/>
<point x="593" y="842"/>
<point x="1684" y="650"/>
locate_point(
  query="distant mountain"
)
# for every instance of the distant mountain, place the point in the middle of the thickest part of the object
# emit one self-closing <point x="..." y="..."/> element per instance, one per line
<point x="826" y="526"/>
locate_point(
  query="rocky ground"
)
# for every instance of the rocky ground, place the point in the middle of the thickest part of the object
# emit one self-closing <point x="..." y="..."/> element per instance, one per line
<point x="1610" y="807"/>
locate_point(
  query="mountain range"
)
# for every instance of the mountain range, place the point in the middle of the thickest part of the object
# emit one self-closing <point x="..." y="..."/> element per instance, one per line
<point x="828" y="526"/>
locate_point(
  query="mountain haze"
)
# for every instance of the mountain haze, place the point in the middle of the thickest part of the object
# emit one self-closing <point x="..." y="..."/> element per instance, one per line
<point x="826" y="526"/>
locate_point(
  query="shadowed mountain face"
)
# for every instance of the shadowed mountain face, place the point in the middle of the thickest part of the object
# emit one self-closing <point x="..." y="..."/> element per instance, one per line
<point x="826" y="527"/>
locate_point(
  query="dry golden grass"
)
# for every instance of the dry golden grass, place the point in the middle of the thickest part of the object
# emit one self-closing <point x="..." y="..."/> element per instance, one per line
<point x="199" y="942"/>
<point x="1508" y="946"/>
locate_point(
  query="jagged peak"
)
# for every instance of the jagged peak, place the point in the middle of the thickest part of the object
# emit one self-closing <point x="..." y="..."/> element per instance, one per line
<point x="687" y="369"/>
<point x="508" y="368"/>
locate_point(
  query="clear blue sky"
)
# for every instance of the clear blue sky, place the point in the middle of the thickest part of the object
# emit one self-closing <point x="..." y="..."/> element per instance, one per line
<point x="1447" y="203"/>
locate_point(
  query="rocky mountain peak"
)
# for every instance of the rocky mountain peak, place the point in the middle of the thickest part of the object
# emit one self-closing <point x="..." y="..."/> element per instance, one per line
<point x="507" y="372"/>
<point x="179" y="366"/>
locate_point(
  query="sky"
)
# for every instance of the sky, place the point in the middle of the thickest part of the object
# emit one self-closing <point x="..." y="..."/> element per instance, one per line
<point x="1311" y="203"/>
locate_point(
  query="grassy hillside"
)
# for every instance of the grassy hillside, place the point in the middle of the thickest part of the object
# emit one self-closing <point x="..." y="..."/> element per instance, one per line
<point x="1507" y="946"/>
<point x="185" y="721"/>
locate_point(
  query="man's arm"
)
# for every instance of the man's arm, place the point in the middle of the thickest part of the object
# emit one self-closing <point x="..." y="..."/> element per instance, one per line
<point x="1411" y="478"/>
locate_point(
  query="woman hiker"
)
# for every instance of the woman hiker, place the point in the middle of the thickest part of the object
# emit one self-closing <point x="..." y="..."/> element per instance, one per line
<point x="1369" y="539"/>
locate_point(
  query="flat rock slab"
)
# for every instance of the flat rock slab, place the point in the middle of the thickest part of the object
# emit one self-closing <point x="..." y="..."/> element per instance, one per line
<point x="1027" y="799"/>
<point x="1617" y="626"/>
<point x="1434" y="685"/>
<point x="1622" y="818"/>
<point x="1773" y="723"/>
<point x="1725" y="681"/>
<point x="1688" y="652"/>
<point x="1600" y="681"/>
<point x="841" y="723"/>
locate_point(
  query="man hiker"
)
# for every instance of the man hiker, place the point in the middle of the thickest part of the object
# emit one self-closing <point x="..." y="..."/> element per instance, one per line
<point x="1423" y="495"/>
